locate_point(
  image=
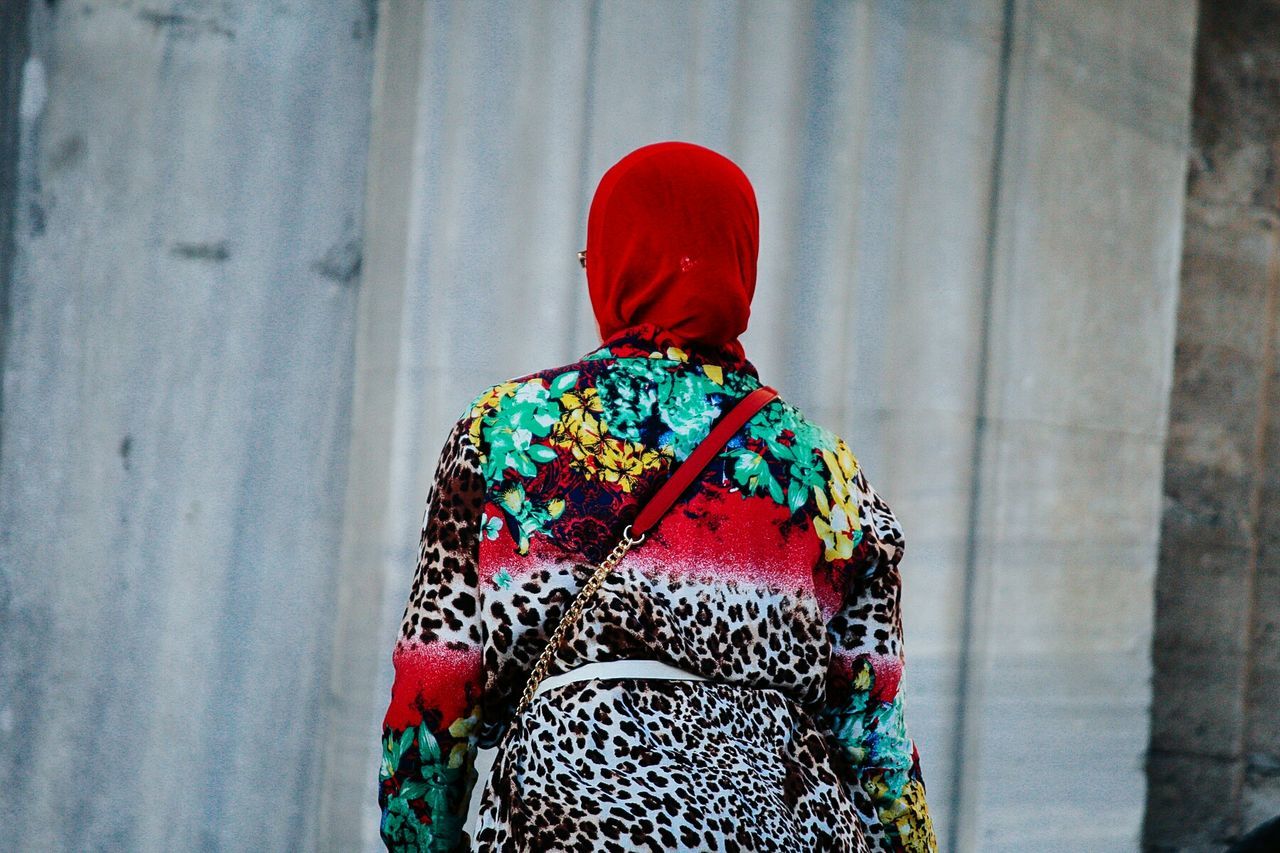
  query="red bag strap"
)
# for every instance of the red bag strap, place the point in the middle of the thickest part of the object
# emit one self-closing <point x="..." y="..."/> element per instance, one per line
<point x="701" y="456"/>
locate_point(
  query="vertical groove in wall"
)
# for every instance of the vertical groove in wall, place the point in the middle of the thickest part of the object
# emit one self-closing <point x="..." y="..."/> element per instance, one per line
<point x="341" y="821"/>
<point x="14" y="45"/>
<point x="964" y="663"/>
<point x="584" y="167"/>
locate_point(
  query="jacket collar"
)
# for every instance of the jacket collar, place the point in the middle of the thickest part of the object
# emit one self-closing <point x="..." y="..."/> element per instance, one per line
<point x="648" y="340"/>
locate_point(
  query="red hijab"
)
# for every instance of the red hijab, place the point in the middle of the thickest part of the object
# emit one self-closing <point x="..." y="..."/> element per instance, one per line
<point x="672" y="239"/>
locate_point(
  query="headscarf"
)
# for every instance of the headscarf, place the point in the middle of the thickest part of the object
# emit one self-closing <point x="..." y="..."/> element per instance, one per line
<point x="672" y="239"/>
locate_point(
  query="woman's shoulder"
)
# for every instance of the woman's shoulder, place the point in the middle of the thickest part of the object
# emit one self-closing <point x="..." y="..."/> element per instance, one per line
<point x="804" y="435"/>
<point x="536" y="387"/>
<point x="619" y="391"/>
<point x="639" y="409"/>
<point x="688" y="385"/>
<point x="509" y="422"/>
<point x="852" y="517"/>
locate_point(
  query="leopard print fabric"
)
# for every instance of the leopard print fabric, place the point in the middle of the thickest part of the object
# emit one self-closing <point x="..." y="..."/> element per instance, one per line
<point x="759" y="767"/>
<point x="775" y="575"/>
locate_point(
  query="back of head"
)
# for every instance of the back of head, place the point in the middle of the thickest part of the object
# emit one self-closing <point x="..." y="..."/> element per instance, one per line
<point x="673" y="239"/>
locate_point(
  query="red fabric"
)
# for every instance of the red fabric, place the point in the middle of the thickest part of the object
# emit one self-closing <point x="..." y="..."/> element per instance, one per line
<point x="430" y="675"/>
<point x="673" y="239"/>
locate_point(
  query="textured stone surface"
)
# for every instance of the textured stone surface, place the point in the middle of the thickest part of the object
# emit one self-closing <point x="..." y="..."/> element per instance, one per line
<point x="1215" y="739"/>
<point x="177" y="385"/>
<point x="13" y="54"/>
<point x="1083" y="295"/>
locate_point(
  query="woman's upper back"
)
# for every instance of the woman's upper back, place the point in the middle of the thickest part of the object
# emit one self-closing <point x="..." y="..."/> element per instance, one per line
<point x="739" y="579"/>
<point x="776" y="568"/>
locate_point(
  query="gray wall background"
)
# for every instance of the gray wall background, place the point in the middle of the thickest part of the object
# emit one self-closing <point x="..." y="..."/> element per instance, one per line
<point x="264" y="253"/>
<point x="176" y="422"/>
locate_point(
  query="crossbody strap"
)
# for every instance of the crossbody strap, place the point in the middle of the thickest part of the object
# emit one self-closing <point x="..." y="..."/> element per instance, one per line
<point x="701" y="456"/>
<point x="635" y="532"/>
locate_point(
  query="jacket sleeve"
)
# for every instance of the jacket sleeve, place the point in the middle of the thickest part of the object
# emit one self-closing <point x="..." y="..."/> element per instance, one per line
<point x="429" y="730"/>
<point x="863" y="714"/>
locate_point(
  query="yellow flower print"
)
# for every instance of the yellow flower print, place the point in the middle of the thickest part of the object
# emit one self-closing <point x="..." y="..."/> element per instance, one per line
<point x="714" y="372"/>
<point x="910" y="818"/>
<point x="673" y="353"/>
<point x="579" y="428"/>
<point x="877" y="787"/>
<point x="838" y="523"/>
<point x="526" y="516"/>
<point x="461" y="728"/>
<point x="862" y="678"/>
<point x="844" y="456"/>
<point x="596" y="453"/>
<point x="587" y="399"/>
<point x="513" y="498"/>
<point x="623" y="462"/>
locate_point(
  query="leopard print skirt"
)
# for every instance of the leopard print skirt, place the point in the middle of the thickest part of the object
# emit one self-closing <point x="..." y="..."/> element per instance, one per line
<point x="629" y="764"/>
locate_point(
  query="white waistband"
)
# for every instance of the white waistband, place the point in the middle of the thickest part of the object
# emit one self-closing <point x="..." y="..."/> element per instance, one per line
<point x="632" y="668"/>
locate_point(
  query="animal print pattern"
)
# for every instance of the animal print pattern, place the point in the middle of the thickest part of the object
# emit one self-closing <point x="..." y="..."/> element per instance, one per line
<point x="775" y="575"/>
<point x="759" y="767"/>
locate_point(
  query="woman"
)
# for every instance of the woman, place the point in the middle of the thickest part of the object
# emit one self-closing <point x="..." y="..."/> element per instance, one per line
<point x="774" y="577"/>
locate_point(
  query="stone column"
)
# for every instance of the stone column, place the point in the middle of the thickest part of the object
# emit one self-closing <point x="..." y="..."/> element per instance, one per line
<point x="1214" y="764"/>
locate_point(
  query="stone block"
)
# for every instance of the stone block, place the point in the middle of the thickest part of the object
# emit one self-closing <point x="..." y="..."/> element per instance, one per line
<point x="1190" y="803"/>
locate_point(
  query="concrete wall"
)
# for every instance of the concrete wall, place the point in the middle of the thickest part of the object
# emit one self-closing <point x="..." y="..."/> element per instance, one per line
<point x="1071" y="423"/>
<point x="1215" y="742"/>
<point x="177" y="387"/>
<point x="226" y="385"/>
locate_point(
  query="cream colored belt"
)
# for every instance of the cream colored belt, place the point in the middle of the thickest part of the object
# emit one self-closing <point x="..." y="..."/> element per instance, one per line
<point x="632" y="668"/>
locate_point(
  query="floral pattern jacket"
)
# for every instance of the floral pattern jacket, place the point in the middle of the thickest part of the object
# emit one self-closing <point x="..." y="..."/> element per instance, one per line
<point x="535" y="483"/>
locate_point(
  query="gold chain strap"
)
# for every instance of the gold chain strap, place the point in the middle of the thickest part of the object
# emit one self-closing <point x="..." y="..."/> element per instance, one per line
<point x="573" y="612"/>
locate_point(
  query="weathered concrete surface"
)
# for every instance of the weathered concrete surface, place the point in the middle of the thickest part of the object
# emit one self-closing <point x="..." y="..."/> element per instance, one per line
<point x="1071" y="426"/>
<point x="1215" y="744"/>
<point x="177" y="386"/>
<point x="372" y="538"/>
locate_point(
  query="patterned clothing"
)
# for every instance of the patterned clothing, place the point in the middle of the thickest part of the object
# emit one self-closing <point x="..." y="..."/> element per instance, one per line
<point x="775" y="575"/>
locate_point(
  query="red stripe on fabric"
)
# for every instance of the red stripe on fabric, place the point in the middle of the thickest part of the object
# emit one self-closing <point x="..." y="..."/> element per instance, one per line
<point x="431" y="676"/>
<point x="728" y="535"/>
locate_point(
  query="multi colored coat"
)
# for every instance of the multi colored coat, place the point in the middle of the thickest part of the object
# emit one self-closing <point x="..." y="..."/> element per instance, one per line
<point x="775" y="575"/>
